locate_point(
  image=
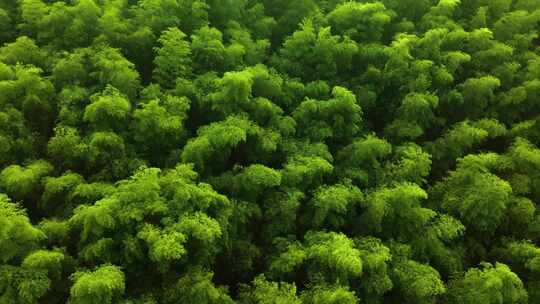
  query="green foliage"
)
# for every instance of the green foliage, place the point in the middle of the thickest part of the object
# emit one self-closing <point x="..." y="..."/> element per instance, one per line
<point x="334" y="205"/>
<point x="376" y="258"/>
<point x="362" y="158"/>
<point x="158" y="125"/>
<point x="361" y="21"/>
<point x="488" y="284"/>
<point x="56" y="231"/>
<point x="57" y="190"/>
<point x="412" y="164"/>
<point x="208" y="49"/>
<point x="20" y="285"/>
<point x="107" y="110"/>
<point x="197" y="286"/>
<point x="164" y="246"/>
<point x="173" y="57"/>
<point x="414" y="115"/>
<point x="24" y="182"/>
<point x="327" y="254"/>
<point x="312" y="53"/>
<point x="267" y="292"/>
<point x="24" y="51"/>
<point x="218" y="141"/>
<point x="329" y="295"/>
<point x="418" y="283"/>
<point x="101" y="285"/>
<point x="399" y="205"/>
<point x="15" y="137"/>
<point x="338" y="118"/>
<point x="461" y="138"/>
<point x="306" y="171"/>
<point x="438" y="244"/>
<point x="18" y="236"/>
<point x="50" y="261"/>
<point x="477" y="93"/>
<point x="280" y="212"/>
<point x="111" y="68"/>
<point x="251" y="183"/>
<point x="269" y="151"/>
<point x="474" y="195"/>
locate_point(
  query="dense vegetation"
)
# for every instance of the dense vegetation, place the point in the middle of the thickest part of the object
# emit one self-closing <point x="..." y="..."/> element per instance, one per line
<point x="269" y="151"/>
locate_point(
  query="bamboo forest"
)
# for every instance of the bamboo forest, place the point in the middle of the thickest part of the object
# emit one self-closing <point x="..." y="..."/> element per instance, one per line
<point x="269" y="151"/>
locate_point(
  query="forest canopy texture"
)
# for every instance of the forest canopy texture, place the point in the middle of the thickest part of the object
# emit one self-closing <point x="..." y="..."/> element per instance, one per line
<point x="269" y="151"/>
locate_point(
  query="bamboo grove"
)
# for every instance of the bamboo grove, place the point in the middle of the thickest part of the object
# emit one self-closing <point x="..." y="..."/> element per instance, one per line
<point x="269" y="151"/>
